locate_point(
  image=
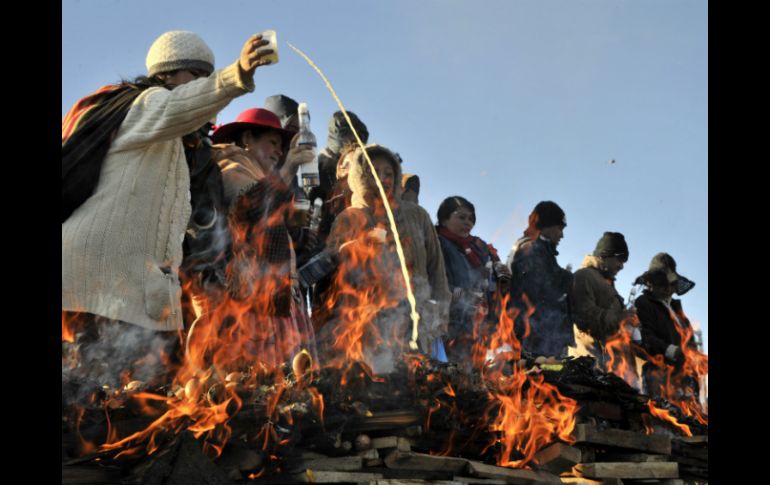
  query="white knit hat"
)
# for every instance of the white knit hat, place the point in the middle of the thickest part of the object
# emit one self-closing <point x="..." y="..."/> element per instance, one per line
<point x="179" y="49"/>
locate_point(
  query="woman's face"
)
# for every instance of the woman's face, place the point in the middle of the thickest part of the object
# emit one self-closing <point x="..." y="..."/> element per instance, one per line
<point x="665" y="289"/>
<point x="662" y="292"/>
<point x="385" y="173"/>
<point x="181" y="76"/>
<point x="266" y="148"/>
<point x="460" y="222"/>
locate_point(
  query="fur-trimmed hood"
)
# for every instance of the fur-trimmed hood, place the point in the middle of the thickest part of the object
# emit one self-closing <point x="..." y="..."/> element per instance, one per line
<point x="360" y="174"/>
<point x="591" y="261"/>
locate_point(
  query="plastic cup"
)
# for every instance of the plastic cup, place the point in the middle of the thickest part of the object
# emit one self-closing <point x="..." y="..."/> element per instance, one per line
<point x="270" y="36"/>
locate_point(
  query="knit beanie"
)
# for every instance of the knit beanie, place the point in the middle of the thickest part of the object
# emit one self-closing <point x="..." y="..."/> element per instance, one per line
<point x="179" y="49"/>
<point x="612" y="244"/>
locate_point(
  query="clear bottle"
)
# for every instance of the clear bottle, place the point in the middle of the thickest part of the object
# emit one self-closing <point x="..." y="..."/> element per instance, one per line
<point x="308" y="171"/>
<point x="306" y="137"/>
<point x="630" y="305"/>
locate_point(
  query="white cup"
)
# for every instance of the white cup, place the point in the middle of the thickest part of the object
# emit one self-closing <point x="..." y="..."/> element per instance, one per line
<point x="269" y="35"/>
<point x="302" y="204"/>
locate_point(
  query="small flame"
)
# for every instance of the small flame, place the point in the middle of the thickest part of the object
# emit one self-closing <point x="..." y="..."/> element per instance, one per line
<point x="318" y="402"/>
<point x="620" y="348"/>
<point x="667" y="417"/>
<point x="69" y="324"/>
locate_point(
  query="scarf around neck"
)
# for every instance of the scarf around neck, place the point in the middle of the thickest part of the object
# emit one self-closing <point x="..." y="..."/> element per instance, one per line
<point x="471" y="246"/>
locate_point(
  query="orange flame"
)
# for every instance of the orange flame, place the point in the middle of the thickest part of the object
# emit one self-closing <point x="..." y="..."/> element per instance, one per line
<point x="667" y="417"/>
<point x="357" y="334"/>
<point x="677" y="387"/>
<point x="69" y="324"/>
<point x="527" y="420"/>
<point x="619" y="347"/>
<point x="318" y="402"/>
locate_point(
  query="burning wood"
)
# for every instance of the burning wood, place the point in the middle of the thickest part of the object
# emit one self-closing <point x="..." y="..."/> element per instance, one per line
<point x="275" y="422"/>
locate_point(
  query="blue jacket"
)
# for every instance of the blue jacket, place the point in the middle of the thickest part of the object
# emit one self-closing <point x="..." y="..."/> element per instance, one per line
<point x="460" y="274"/>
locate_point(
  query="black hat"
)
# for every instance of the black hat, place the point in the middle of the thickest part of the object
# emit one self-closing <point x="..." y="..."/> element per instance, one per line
<point x="612" y="244"/>
<point x="663" y="266"/>
<point x="548" y="214"/>
<point x="283" y="106"/>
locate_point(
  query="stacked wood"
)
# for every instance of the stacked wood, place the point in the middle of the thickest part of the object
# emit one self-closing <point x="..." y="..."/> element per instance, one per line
<point x="421" y="424"/>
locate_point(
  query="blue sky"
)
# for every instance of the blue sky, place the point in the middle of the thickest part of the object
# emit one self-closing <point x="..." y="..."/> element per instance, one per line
<point x="503" y="102"/>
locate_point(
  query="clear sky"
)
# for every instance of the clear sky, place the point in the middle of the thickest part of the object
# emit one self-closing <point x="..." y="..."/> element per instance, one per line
<point x="503" y="102"/>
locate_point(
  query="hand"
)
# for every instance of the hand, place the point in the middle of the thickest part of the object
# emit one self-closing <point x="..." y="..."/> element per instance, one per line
<point x="251" y="57"/>
<point x="297" y="156"/>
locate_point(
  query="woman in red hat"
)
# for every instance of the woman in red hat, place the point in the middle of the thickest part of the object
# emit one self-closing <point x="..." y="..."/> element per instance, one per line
<point x="262" y="315"/>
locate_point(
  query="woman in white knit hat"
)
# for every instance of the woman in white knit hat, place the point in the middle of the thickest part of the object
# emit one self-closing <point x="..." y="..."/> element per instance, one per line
<point x="126" y="194"/>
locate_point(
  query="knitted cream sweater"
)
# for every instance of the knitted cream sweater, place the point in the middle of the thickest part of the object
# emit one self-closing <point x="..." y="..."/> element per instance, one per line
<point x="122" y="248"/>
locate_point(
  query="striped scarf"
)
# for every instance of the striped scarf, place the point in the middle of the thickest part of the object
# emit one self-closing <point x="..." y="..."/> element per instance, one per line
<point x="87" y="131"/>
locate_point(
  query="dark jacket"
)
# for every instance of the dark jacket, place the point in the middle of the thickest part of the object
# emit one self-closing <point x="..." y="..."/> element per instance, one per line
<point x="597" y="306"/>
<point x="657" y="327"/>
<point x="207" y="242"/>
<point x="658" y="330"/>
<point x="537" y="274"/>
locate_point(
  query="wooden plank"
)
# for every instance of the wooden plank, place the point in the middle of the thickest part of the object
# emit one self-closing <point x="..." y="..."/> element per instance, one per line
<point x="402" y="444"/>
<point x="628" y="470"/>
<point x="671" y="481"/>
<point x="634" y="457"/>
<point x="693" y="439"/>
<point x="408" y="460"/>
<point x="312" y="455"/>
<point x="691" y="451"/>
<point x="686" y="460"/>
<point x="588" y="481"/>
<point x="510" y="475"/>
<point x="407" y="481"/>
<point x="389" y="420"/>
<point x="385" y="442"/>
<point x="321" y="476"/>
<point x="371" y="454"/>
<point x="623" y="439"/>
<point x="557" y="458"/>
<point x="342" y="463"/>
<point x="479" y="481"/>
